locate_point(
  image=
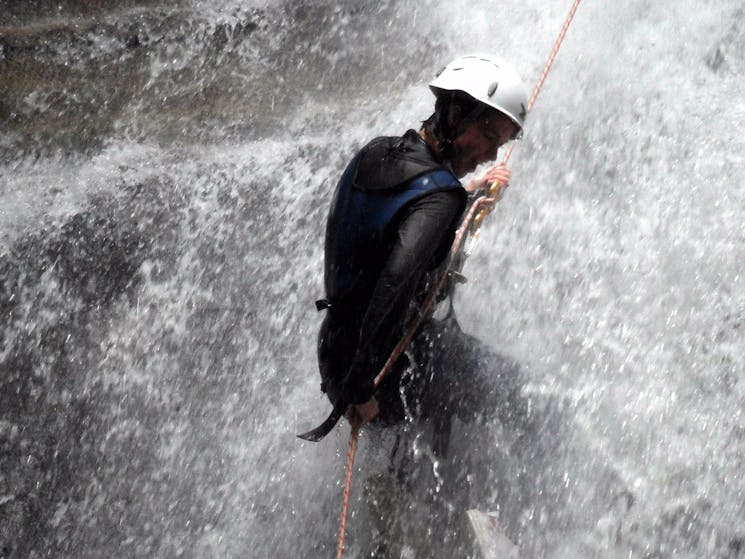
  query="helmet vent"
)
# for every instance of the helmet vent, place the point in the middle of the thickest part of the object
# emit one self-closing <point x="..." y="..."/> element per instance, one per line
<point x="492" y="88"/>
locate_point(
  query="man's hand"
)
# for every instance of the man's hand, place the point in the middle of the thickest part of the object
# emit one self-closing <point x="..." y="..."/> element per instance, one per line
<point x="499" y="174"/>
<point x="360" y="414"/>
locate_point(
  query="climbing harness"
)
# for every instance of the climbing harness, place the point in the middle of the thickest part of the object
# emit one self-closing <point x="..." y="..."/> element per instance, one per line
<point x="480" y="208"/>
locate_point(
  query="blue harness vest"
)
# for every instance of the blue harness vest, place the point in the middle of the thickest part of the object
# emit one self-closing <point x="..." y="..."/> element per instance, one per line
<point x="357" y="227"/>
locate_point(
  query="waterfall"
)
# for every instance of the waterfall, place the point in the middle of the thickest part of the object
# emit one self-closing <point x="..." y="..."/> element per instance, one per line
<point x="165" y="172"/>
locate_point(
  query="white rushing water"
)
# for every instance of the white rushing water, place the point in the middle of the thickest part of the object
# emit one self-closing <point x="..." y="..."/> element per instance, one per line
<point x="165" y="180"/>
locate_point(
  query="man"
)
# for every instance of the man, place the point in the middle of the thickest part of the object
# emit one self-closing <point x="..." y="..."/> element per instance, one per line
<point x="391" y="225"/>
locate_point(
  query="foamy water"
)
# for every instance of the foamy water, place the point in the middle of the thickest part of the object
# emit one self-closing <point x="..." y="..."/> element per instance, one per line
<point x="161" y="254"/>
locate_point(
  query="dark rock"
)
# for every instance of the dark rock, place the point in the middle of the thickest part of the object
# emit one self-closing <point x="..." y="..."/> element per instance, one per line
<point x="132" y="41"/>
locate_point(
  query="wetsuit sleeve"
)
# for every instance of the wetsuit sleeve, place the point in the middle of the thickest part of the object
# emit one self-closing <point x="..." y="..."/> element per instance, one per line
<point x="423" y="228"/>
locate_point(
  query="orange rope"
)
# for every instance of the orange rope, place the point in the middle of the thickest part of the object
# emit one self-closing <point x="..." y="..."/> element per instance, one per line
<point x="347" y="490"/>
<point x="481" y="206"/>
<point x="551" y="57"/>
<point x="495" y="189"/>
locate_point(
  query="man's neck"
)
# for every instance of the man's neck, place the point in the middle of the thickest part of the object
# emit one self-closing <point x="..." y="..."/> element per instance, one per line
<point x="433" y="145"/>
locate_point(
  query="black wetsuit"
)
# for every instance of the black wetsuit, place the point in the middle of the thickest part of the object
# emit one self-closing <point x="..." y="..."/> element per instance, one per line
<point x="365" y="322"/>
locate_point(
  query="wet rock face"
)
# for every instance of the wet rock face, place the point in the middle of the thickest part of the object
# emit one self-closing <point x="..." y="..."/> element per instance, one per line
<point x="17" y="12"/>
<point x="56" y="285"/>
<point x="93" y="257"/>
<point x="170" y="72"/>
<point x="96" y="258"/>
<point x="68" y="83"/>
<point x="87" y="263"/>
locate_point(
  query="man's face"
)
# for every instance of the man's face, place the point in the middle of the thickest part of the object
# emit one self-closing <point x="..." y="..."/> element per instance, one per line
<point x="479" y="143"/>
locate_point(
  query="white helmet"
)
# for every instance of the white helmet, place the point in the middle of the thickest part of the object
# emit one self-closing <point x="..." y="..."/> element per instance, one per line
<point x="488" y="79"/>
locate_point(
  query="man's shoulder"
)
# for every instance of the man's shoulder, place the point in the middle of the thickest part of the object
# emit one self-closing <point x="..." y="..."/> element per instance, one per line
<point x="392" y="143"/>
<point x="387" y="162"/>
